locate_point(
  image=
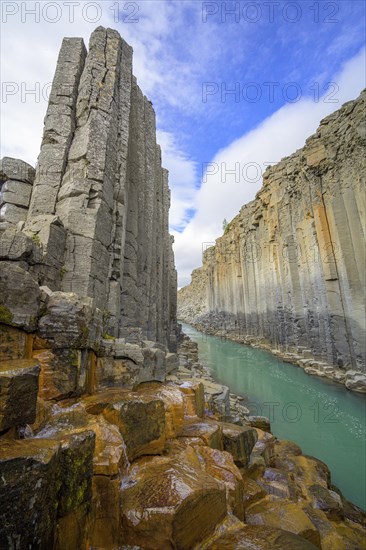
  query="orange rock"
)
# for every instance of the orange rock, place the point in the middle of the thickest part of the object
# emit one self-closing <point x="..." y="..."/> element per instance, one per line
<point x="194" y="398"/>
<point x="72" y="530"/>
<point x="173" y="403"/>
<point x="60" y="371"/>
<point x="288" y="515"/>
<point x="170" y="502"/>
<point x="252" y="492"/>
<point x="209" y="432"/>
<point x="264" y="447"/>
<point x="18" y="392"/>
<point x="105" y="513"/>
<point x="239" y="441"/>
<point x="139" y="417"/>
<point x="14" y="343"/>
<point x="220" y="465"/>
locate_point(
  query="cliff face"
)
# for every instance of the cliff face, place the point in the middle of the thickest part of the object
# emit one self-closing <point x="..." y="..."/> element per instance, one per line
<point x="94" y="216"/>
<point x="290" y="269"/>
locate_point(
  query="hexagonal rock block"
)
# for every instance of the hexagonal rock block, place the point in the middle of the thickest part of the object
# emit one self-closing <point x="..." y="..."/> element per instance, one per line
<point x="263" y="449"/>
<point x="140" y="418"/>
<point x="19" y="297"/>
<point x="29" y="483"/>
<point x="18" y="392"/>
<point x="173" y="403"/>
<point x="258" y="538"/>
<point x="16" y="192"/>
<point x="328" y="501"/>
<point x="76" y="470"/>
<point x="170" y="502"/>
<point x="14" y="343"/>
<point x="220" y="465"/>
<point x="307" y="471"/>
<point x="63" y="372"/>
<point x="239" y="441"/>
<point x="70" y="321"/>
<point x="16" y="169"/>
<point x="110" y="455"/>
<point x="194" y="398"/>
<point x="210" y="433"/>
<point x="261" y="422"/>
<point x="287" y="514"/>
<point x="17" y="246"/>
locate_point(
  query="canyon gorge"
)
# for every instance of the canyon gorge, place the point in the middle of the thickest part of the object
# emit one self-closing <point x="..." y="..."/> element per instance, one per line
<point x="112" y="433"/>
<point x="289" y="272"/>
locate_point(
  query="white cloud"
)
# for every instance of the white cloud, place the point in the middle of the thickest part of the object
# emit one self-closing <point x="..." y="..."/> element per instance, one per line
<point x="182" y="178"/>
<point x="277" y="136"/>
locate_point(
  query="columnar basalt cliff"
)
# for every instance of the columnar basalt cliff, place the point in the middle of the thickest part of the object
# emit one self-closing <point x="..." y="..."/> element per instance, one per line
<point x="99" y="204"/>
<point x="289" y="272"/>
<point x="108" y="438"/>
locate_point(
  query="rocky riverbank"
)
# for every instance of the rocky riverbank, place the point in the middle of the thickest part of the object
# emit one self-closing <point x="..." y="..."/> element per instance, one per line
<point x="173" y="464"/>
<point x="216" y="325"/>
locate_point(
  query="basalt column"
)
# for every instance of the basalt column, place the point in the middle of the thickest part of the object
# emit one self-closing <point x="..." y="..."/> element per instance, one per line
<point x="97" y="205"/>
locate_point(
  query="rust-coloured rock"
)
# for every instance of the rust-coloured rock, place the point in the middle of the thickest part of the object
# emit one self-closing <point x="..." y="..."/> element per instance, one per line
<point x="239" y="441"/>
<point x="105" y="525"/>
<point x="209" y="432"/>
<point x="140" y="419"/>
<point x="194" y="397"/>
<point x="18" y="392"/>
<point x="14" y="343"/>
<point x="170" y="503"/>
<point x="282" y="513"/>
<point x="220" y="465"/>
<point x="173" y="404"/>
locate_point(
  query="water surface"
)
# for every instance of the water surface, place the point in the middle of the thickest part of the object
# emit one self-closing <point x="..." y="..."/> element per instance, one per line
<point x="324" y="418"/>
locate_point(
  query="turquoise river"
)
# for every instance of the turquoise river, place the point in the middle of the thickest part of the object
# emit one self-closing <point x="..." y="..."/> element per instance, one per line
<point x="324" y="418"/>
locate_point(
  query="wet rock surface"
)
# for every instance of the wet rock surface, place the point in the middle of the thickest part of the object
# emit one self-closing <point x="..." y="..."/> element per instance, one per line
<point x="18" y="392"/>
<point x="110" y="437"/>
<point x="156" y="468"/>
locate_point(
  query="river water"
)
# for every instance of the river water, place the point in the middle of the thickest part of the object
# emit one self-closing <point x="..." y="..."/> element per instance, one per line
<point x="324" y="418"/>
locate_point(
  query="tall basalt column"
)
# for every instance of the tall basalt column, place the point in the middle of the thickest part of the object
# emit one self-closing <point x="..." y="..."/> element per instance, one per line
<point x="131" y="298"/>
<point x="60" y="123"/>
<point x="149" y="236"/>
<point x="121" y="190"/>
<point x="86" y="198"/>
<point x="96" y="209"/>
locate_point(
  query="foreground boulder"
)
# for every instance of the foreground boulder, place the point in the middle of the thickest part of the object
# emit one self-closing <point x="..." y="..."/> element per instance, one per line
<point x="170" y="502"/>
<point x="239" y="441"/>
<point x="18" y="392"/>
<point x="140" y="419"/>
<point x="29" y="484"/>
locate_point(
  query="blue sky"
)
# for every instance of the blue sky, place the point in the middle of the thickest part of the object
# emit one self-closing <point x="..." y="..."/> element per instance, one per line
<point x="289" y="63"/>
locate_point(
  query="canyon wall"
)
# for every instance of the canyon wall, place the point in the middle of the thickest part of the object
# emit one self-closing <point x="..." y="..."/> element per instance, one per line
<point x="289" y="271"/>
<point x="92" y="219"/>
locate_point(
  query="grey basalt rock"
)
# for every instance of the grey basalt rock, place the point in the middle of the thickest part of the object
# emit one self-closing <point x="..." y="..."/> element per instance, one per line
<point x="86" y="256"/>
<point x="70" y="322"/>
<point x="19" y="297"/>
<point x="288" y="273"/>
<point x="16" y="169"/>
